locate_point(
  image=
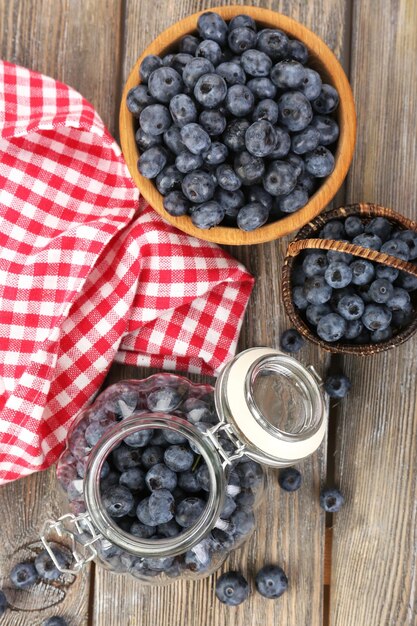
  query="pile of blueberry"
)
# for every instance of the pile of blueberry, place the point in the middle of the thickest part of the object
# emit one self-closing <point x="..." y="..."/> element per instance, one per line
<point x="352" y="300"/>
<point x="235" y="127"/>
<point x="155" y="484"/>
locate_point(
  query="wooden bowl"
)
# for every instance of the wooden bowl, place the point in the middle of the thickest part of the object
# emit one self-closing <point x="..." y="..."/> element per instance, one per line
<point x="321" y="58"/>
<point x="307" y="239"/>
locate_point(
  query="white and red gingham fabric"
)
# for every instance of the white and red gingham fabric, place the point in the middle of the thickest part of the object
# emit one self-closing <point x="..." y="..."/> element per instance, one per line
<point x="89" y="273"/>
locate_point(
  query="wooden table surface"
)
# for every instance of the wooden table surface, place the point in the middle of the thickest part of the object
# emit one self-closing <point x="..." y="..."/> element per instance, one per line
<point x="371" y="450"/>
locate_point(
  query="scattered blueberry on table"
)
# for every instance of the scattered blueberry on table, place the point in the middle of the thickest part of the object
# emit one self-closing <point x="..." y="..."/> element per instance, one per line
<point x="23" y="575"/>
<point x="289" y="479"/>
<point x="232" y="588"/>
<point x="3" y="603"/>
<point x="331" y="500"/>
<point x="55" y="620"/>
<point x="337" y="385"/>
<point x="271" y="581"/>
<point x="291" y="340"/>
<point x="232" y="109"/>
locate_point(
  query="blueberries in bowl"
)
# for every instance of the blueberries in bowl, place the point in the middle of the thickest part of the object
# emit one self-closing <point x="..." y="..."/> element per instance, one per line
<point x="239" y="104"/>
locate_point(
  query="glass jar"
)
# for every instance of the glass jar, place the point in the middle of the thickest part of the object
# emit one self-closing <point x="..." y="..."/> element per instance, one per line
<point x="265" y="409"/>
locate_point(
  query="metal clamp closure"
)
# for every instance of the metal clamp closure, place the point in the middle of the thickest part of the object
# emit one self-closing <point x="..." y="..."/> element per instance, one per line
<point x="222" y="427"/>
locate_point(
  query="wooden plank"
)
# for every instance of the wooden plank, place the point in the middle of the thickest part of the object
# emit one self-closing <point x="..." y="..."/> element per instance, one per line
<point x="290" y="528"/>
<point x="76" y="42"/>
<point x="374" y="539"/>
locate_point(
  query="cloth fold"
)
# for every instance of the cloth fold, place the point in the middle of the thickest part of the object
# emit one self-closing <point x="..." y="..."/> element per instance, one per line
<point x="89" y="273"/>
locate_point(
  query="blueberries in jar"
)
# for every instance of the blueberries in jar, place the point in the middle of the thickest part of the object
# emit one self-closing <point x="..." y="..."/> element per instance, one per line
<point x="188" y="511"/>
<point x="159" y="476"/>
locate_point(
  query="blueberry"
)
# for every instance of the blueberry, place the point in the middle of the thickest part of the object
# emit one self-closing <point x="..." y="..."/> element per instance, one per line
<point x="397" y="248"/>
<point x="243" y="522"/>
<point x="353" y="329"/>
<point x="232" y="588"/>
<point x="256" y="193"/>
<point x="331" y="327"/>
<point x="180" y="60"/>
<point x="188" y="511"/>
<point x="189" y="44"/>
<point x="386" y="271"/>
<point x="125" y="457"/>
<point x="297" y="51"/>
<point x="295" y="111"/>
<point x="209" y="50"/>
<point x="294" y="200"/>
<point x="337" y="385"/>
<point x="280" y="178"/>
<point x="179" y="458"/>
<point x="266" y="110"/>
<point x="210" y="90"/>
<point x="133" y="479"/>
<point x="399" y="300"/>
<point x="222" y="539"/>
<point x="252" y="216"/>
<point x="260" y="138"/>
<point x="410" y="238"/>
<point x="333" y="230"/>
<point x="363" y="338"/>
<point x="195" y="69"/>
<point x="152" y="161"/>
<point x="363" y="272"/>
<point x="249" y="168"/>
<point x="168" y="180"/>
<point x="161" y="506"/>
<point x="216" y="154"/>
<point x="240" y="21"/>
<point x="144" y="141"/>
<point x="379" y="226"/>
<point x="159" y="476"/>
<point x="155" y="119"/>
<point x="328" y="129"/>
<point x="198" y="558"/>
<point x="198" y="186"/>
<point x="188" y="481"/>
<point x="143" y="531"/>
<point x="256" y="63"/>
<point x="327" y="101"/>
<point x="274" y="43"/>
<point x="143" y="513"/>
<point x="299" y="298"/>
<point x="381" y="290"/>
<point x="195" y="138"/>
<point x="288" y="75"/>
<point x="176" y="204"/>
<point x="148" y="65"/>
<point x="55" y="620"/>
<point x="227" y="178"/>
<point x="230" y="201"/>
<point x="241" y="39"/>
<point x="207" y="215"/>
<point x="403" y="317"/>
<point x="376" y="317"/>
<point x="165" y="399"/>
<point x="368" y="240"/>
<point x="213" y="122"/>
<point x="311" y="84"/>
<point x="187" y="162"/>
<point x="250" y="474"/>
<point x="239" y="100"/>
<point x="336" y="256"/>
<point x="231" y="72"/>
<point x="138" y="98"/>
<point x="173" y="141"/>
<point x="152" y="455"/>
<point x="117" y="500"/>
<point x="112" y="478"/>
<point x="317" y="290"/>
<point x="245" y="499"/>
<point x="289" y="479"/>
<point x="229" y="508"/>
<point x="173" y="437"/>
<point x="351" y="307"/>
<point x="182" y="109"/>
<point x="407" y="281"/>
<point x="353" y="224"/>
<point x="23" y="575"/>
<point x="338" y="275"/>
<point x="381" y="335"/>
<point x="45" y="566"/>
<point x="203" y="477"/>
<point x="314" y="312"/>
<point x="3" y="603"/>
<point x="234" y="135"/>
<point x="297" y="275"/>
<point x="212" y="26"/>
<point x="319" y="162"/>
<point x="305" y="141"/>
<point x="167" y="60"/>
<point x="271" y="581"/>
<point x="169" y="529"/>
<point x="291" y="340"/>
<point x="331" y="500"/>
<point x="262" y="87"/>
<point x="164" y="83"/>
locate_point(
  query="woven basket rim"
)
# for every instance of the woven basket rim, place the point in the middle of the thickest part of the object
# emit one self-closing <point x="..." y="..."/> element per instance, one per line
<point x="307" y="234"/>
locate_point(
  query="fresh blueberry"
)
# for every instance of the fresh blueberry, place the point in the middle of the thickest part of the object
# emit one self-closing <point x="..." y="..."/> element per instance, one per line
<point x="403" y="317"/>
<point x="167" y="60"/>
<point x="282" y="146"/>
<point x="213" y="122"/>
<point x="95" y="430"/>
<point x="159" y="476"/>
<point x="227" y="178"/>
<point x="229" y="508"/>
<point x="297" y="163"/>
<point x="144" y="141"/>
<point x="305" y="141"/>
<point x="271" y="581"/>
<point x="188" y="511"/>
<point x="274" y="43"/>
<point x="331" y="327"/>
<point x="133" y="479"/>
<point x="363" y="272"/>
<point x="148" y="65"/>
<point x="210" y="91"/>
<point x="169" y="529"/>
<point x="198" y="558"/>
<point x="182" y="109"/>
<point x="386" y="271"/>
<point x="212" y="26"/>
<point x="188" y="481"/>
<point x="397" y="248"/>
<point x="250" y="474"/>
<point x="262" y="87"/>
<point x="55" y="620"/>
<point x="198" y="186"/>
<point x="180" y="60"/>
<point x="216" y="154"/>
<point x="231" y="201"/>
<point x="138" y="98"/>
<point x="139" y="439"/>
<point x="266" y="110"/>
<point x="168" y="180"/>
<point x="314" y="312"/>
<point x="187" y="162"/>
<point x="280" y="178"/>
<point x="252" y="216"/>
<point x="207" y="215"/>
<point x="381" y="290"/>
<point x="143" y="513"/>
<point x="289" y="479"/>
<point x="45" y="566"/>
<point x="399" y="300"/>
<point x="294" y="200"/>
<point x="3" y="603"/>
<point x="143" y="531"/>
<point x="297" y="51"/>
<point x="291" y="340"/>
<point x="165" y="83"/>
<point x="367" y="240"/>
<point x="152" y="161"/>
<point x="379" y="226"/>
<point x="112" y="478"/>
<point x="243" y="522"/>
<point x="295" y="111"/>
<point x="161" y="506"/>
<point x="351" y="307"/>
<point x="333" y="230"/>
<point x="155" y="119"/>
<point x="376" y="317"/>
<point x="209" y="50"/>
<point x="173" y="141"/>
<point x="337" y="385"/>
<point x="407" y="281"/>
<point x="331" y="500"/>
<point x="125" y="457"/>
<point x="410" y="238"/>
<point x="311" y="84"/>
<point x="299" y="298"/>
<point x="241" y="39"/>
<point x="176" y="204"/>
<point x="317" y="290"/>
<point x="179" y="458"/>
<point x="261" y="139"/>
<point x="196" y="68"/>
<point x="152" y="455"/>
<point x="117" y="501"/>
<point x="334" y="256"/>
<point x="249" y="168"/>
<point x="328" y="129"/>
<point x="319" y="162"/>
<point x="381" y="335"/>
<point x="353" y="224"/>
<point x="203" y="477"/>
<point x="172" y="437"/>
<point x="363" y="338"/>
<point x="256" y="63"/>
<point x="353" y="329"/>
<point x="245" y="21"/>
<point x="23" y="575"/>
<point x="231" y="72"/>
<point x="223" y="540"/>
<point x="189" y="44"/>
<point x="239" y="100"/>
<point x="245" y="499"/>
<point x="195" y="138"/>
<point x="338" y="275"/>
<point x="306" y="182"/>
<point x="165" y="399"/>
<point x="327" y="101"/>
<point x="232" y="588"/>
<point x="234" y="135"/>
<point x="288" y="75"/>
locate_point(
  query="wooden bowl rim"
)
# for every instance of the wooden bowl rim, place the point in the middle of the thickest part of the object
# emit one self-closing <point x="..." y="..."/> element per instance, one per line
<point x="345" y="147"/>
<point x="363" y="209"/>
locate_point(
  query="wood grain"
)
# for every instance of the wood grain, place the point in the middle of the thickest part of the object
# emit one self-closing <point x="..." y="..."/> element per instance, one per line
<point x="76" y="42"/>
<point x="375" y="539"/>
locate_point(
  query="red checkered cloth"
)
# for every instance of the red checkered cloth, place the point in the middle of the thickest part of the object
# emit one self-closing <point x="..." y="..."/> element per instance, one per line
<point x="89" y="273"/>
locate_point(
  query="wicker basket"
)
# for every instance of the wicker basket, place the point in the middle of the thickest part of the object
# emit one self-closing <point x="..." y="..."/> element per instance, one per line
<point x="307" y="239"/>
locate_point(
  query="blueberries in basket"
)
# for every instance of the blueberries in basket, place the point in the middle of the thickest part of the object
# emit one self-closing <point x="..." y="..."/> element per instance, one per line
<point x="317" y="290"/>
<point x="381" y="290"/>
<point x="331" y="327"/>
<point x="338" y="275"/>
<point x="337" y="385"/>
<point x="3" y="603"/>
<point x="55" y="620"/>
<point x="410" y="238"/>
<point x="232" y="588"/>
<point x="331" y="500"/>
<point x="289" y="479"/>
<point x="376" y="317"/>
<point x="397" y="248"/>
<point x="351" y="307"/>
<point x="23" y="575"/>
<point x="271" y="581"/>
<point x="315" y="264"/>
<point x="291" y="340"/>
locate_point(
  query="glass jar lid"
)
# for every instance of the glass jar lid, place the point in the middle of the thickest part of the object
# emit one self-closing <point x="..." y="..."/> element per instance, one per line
<point x="273" y="405"/>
